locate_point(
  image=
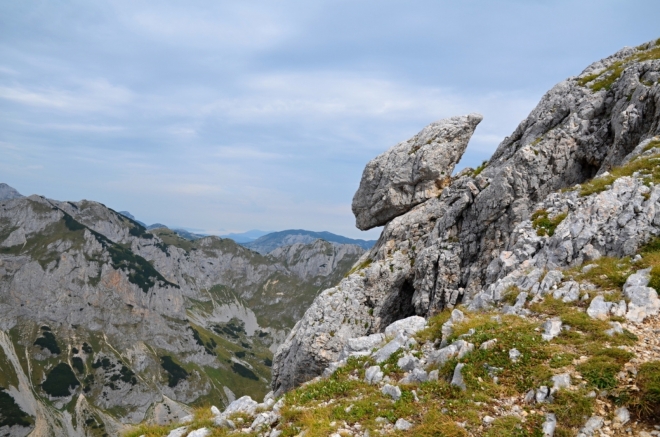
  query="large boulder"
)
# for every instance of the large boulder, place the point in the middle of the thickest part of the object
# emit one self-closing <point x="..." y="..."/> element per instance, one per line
<point x="412" y="171"/>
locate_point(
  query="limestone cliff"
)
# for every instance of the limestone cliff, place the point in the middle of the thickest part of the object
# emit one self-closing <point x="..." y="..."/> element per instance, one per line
<point x="473" y="237"/>
<point x="103" y="323"/>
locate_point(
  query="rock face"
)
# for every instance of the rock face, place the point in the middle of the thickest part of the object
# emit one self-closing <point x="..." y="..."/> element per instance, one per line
<point x="7" y="192"/>
<point x="412" y="171"/>
<point x="133" y="324"/>
<point x="473" y="239"/>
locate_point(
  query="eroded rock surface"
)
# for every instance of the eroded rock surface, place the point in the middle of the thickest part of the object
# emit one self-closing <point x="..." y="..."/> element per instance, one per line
<point x="473" y="239"/>
<point x="412" y="171"/>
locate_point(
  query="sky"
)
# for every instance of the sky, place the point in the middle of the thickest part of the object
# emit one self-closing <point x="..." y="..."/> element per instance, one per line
<point x="225" y="116"/>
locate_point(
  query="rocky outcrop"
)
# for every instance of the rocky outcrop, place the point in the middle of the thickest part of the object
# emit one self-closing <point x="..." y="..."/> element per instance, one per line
<point x="462" y="244"/>
<point x="412" y="171"/>
<point x="7" y="192"/>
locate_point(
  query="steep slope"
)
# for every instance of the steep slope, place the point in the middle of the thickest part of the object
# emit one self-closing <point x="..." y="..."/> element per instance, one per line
<point x="103" y="323"/>
<point x="453" y="248"/>
<point x="272" y="241"/>
<point x="7" y="192"/>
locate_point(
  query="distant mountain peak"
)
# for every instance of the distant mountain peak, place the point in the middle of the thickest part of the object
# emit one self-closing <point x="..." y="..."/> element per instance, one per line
<point x="7" y="192"/>
<point x="274" y="240"/>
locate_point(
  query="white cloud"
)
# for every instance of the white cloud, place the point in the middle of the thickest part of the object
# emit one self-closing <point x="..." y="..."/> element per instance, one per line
<point x="86" y="95"/>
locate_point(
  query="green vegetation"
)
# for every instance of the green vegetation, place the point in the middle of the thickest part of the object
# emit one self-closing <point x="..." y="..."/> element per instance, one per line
<point x="607" y="272"/>
<point x="601" y="369"/>
<point x="10" y="413"/>
<point x="545" y="225"/>
<point x="244" y="371"/>
<point x="202" y="419"/>
<point x="78" y="364"/>
<point x="646" y="402"/>
<point x="175" y="373"/>
<point x="363" y="265"/>
<point x="606" y="78"/>
<point x="572" y="408"/>
<point x="477" y="171"/>
<point x="171" y="238"/>
<point x="60" y="381"/>
<point x="646" y="165"/>
<point x="87" y="348"/>
<point x="233" y="328"/>
<point x="140" y="271"/>
<point x="652" y="145"/>
<point x="47" y="341"/>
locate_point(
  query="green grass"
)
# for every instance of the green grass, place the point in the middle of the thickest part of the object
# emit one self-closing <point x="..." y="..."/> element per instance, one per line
<point x="363" y="265"/>
<point x="608" y="273"/>
<point x="545" y="225"/>
<point x="646" y="402"/>
<point x="477" y="171"/>
<point x="606" y="78"/>
<point x="602" y="368"/>
<point x="646" y="165"/>
<point x="572" y="408"/>
<point x="652" y="145"/>
<point x="512" y="426"/>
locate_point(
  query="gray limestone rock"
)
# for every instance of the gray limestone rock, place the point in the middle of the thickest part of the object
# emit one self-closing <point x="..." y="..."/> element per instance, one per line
<point x="549" y="425"/>
<point x="599" y="308"/>
<point x="561" y="381"/>
<point x="622" y="415"/>
<point x="402" y="425"/>
<point x="443" y="355"/>
<point x="392" y="391"/>
<point x="408" y="362"/>
<point x="178" y="432"/>
<point x="552" y="328"/>
<point x="514" y="355"/>
<point x="415" y="376"/>
<point x="474" y="239"/>
<point x="644" y="300"/>
<point x="489" y="344"/>
<point x="373" y="375"/>
<point x="542" y="395"/>
<point x="361" y="346"/>
<point x="412" y="171"/>
<point x="593" y="424"/>
<point x="616" y="328"/>
<point x="457" y="378"/>
<point x="384" y="353"/>
<point x="243" y="405"/>
<point x="264" y="420"/>
<point x="408" y="326"/>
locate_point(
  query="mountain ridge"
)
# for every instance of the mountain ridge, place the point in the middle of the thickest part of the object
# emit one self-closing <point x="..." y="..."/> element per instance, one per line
<point x="135" y="323"/>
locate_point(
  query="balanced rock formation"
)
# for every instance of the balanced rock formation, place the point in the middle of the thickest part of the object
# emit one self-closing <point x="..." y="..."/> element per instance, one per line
<point x="412" y="171"/>
<point x="473" y="238"/>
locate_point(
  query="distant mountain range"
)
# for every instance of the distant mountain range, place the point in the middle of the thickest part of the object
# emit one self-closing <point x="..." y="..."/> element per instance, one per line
<point x="272" y="241"/>
<point x="264" y="241"/>
<point x="246" y="237"/>
<point x="104" y="323"/>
